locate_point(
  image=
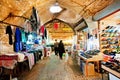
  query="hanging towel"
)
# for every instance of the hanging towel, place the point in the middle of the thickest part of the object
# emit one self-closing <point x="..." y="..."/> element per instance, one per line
<point x="9" y="32"/>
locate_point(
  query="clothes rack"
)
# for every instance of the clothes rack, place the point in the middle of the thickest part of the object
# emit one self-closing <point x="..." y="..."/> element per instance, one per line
<point x="2" y="22"/>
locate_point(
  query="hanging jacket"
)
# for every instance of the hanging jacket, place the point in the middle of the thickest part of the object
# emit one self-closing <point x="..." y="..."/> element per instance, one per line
<point x="17" y="44"/>
<point x="17" y="35"/>
<point x="9" y="32"/>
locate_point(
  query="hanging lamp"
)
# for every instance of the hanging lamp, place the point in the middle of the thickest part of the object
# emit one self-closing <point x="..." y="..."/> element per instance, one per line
<point x="55" y="8"/>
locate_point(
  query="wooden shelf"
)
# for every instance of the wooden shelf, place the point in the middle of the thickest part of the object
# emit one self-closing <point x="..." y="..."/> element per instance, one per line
<point x="111" y="71"/>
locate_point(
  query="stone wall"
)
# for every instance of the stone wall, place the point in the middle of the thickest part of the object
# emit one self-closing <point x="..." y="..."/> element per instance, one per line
<point x="5" y="48"/>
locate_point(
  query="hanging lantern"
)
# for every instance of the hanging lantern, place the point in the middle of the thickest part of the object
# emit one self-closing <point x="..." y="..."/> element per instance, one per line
<point x="56" y="26"/>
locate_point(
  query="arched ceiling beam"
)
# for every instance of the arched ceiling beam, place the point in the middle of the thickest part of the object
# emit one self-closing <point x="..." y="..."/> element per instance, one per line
<point x="60" y="21"/>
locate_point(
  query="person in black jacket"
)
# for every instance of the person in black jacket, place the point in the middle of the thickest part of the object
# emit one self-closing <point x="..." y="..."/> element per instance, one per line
<point x="56" y="47"/>
<point x="61" y="49"/>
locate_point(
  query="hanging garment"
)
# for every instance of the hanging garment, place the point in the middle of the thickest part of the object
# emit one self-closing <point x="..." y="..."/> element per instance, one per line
<point x="17" y="44"/>
<point x="16" y="47"/>
<point x="27" y="26"/>
<point x="31" y="60"/>
<point x="42" y="29"/>
<point x="9" y="32"/>
<point x="23" y="37"/>
<point x="17" y="35"/>
<point x="20" y="46"/>
<point x="45" y="33"/>
<point x="34" y="19"/>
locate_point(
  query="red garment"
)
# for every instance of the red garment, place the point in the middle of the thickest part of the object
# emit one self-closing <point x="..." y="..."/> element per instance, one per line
<point x="9" y="64"/>
<point x="42" y="29"/>
<point x="8" y="61"/>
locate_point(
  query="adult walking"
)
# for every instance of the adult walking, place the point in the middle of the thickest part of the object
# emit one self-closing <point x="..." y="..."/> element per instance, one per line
<point x="61" y="49"/>
<point x="56" y="47"/>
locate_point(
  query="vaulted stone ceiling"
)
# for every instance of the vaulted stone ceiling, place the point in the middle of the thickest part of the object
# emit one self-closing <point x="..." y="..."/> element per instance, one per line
<point x="74" y="11"/>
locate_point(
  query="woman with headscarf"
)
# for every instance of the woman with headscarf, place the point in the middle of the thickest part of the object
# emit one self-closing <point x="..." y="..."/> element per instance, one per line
<point x="61" y="49"/>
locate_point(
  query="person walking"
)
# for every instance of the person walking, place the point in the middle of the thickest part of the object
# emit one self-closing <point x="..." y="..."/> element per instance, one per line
<point x="61" y="49"/>
<point x="56" y="47"/>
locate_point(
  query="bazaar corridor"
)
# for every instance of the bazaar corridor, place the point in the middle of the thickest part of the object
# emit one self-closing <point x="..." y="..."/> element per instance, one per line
<point x="52" y="68"/>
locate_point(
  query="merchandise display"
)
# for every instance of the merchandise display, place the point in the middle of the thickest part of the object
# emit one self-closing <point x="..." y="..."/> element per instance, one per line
<point x="80" y="42"/>
<point x="109" y="40"/>
<point x="113" y="64"/>
<point x="110" y="47"/>
<point x="89" y="53"/>
<point x="92" y="52"/>
<point x="90" y="59"/>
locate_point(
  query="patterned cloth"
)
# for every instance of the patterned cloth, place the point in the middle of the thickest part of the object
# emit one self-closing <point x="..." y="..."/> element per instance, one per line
<point x="8" y="61"/>
<point x="9" y="64"/>
<point x="21" y="57"/>
<point x="30" y="57"/>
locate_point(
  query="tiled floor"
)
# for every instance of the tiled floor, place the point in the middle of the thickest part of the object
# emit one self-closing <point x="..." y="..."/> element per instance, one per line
<point x="52" y="68"/>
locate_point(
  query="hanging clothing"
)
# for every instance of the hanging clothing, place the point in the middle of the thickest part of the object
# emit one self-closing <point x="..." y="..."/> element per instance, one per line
<point x="23" y="36"/>
<point x="34" y="20"/>
<point x="9" y="32"/>
<point x="31" y="60"/>
<point x="17" y="35"/>
<point x="27" y="26"/>
<point x="45" y="33"/>
<point x="20" y="46"/>
<point x="42" y="29"/>
<point x="17" y="44"/>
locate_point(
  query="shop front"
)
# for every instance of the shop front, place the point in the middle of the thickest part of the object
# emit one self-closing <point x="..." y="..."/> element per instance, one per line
<point x="20" y="48"/>
<point x="110" y="44"/>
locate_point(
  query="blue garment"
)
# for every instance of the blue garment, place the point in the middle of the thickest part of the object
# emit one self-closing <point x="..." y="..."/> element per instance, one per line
<point x="17" y="46"/>
<point x="17" y="35"/>
<point x="20" y="46"/>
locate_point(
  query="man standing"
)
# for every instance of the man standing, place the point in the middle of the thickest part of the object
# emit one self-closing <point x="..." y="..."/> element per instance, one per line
<point x="56" y="47"/>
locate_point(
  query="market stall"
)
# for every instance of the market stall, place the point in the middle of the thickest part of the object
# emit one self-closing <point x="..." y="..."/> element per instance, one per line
<point x="110" y="44"/>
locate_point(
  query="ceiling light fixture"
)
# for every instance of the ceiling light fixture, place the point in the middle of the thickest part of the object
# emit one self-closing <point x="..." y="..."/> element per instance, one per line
<point x="55" y="8"/>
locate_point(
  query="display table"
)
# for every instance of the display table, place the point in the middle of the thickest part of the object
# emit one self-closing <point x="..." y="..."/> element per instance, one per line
<point x="8" y="64"/>
<point x="94" y="59"/>
<point x="113" y="72"/>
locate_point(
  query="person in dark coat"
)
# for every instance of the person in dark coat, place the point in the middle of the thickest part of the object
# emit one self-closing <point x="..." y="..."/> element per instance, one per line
<point x="56" y="47"/>
<point x="61" y="49"/>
